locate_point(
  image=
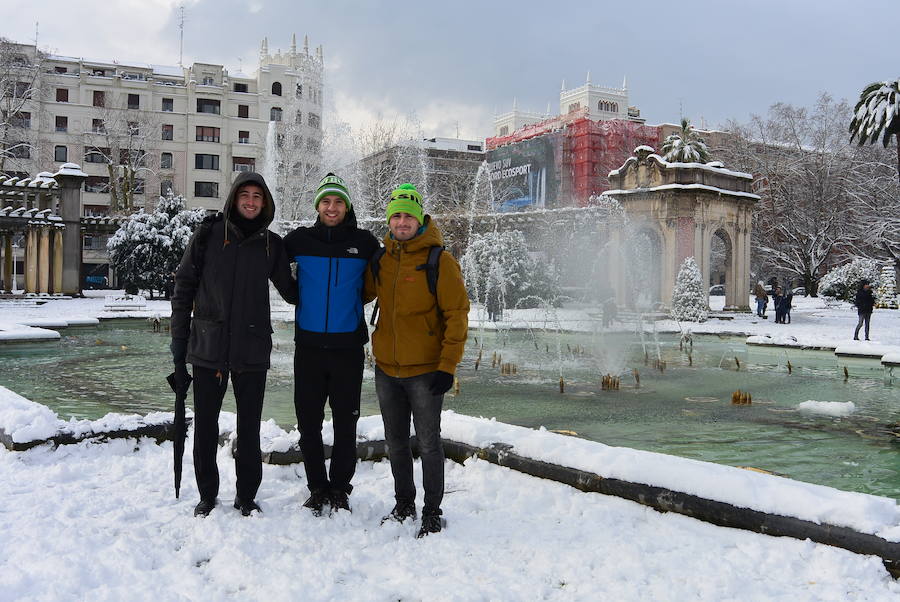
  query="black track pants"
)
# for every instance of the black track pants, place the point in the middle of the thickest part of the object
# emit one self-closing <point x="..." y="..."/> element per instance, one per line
<point x="334" y="375"/>
<point x="209" y="389"/>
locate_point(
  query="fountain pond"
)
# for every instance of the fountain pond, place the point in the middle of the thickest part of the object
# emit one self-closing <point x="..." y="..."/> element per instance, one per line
<point x="684" y="410"/>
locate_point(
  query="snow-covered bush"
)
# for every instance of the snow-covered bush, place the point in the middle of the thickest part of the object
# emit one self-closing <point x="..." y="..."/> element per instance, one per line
<point x="887" y="289"/>
<point x="500" y="272"/>
<point x="842" y="281"/>
<point x="147" y="247"/>
<point x="689" y="297"/>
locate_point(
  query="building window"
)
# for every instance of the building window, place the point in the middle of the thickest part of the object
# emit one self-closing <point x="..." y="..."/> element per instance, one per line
<point x="135" y="158"/>
<point x="275" y="114"/>
<point x="574" y="106"/>
<point x="97" y="126"/>
<point x="168" y="131"/>
<point x="276" y="88"/>
<point x="240" y="87"/>
<point x="62" y="95"/>
<point x="243" y="137"/>
<point x="243" y="164"/>
<point x="98" y="72"/>
<point x="207" y="134"/>
<point x="134" y="129"/>
<point x="96" y="155"/>
<point x="504" y="131"/>
<point x="473" y="147"/>
<point x="19" y="150"/>
<point x="60" y="154"/>
<point x="208" y="105"/>
<point x="244" y="111"/>
<point x="165" y="187"/>
<point x="22" y="119"/>
<point x="313" y="146"/>
<point x="168" y="105"/>
<point x="298" y="118"/>
<point x="138" y="187"/>
<point x="96" y="184"/>
<point x="202" y="161"/>
<point x="209" y="80"/>
<point x="165" y="161"/>
<point x="62" y="123"/>
<point x="206" y="189"/>
<point x="299" y="91"/>
<point x="60" y="70"/>
<point x="99" y="98"/>
<point x="134" y="101"/>
<point x="313" y="121"/>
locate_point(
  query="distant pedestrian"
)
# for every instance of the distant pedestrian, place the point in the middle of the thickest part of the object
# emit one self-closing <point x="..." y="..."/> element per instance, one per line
<point x="865" y="303"/>
<point x="777" y="301"/>
<point x="762" y="299"/>
<point x="786" y="306"/>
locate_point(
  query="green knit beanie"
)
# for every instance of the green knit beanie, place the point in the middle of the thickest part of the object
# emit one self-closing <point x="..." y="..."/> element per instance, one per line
<point x="406" y="199"/>
<point x="332" y="184"/>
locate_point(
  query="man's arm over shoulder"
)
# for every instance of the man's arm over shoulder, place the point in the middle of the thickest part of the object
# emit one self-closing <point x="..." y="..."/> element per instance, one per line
<point x="453" y="301"/>
<point x="369" y="288"/>
<point x="281" y="277"/>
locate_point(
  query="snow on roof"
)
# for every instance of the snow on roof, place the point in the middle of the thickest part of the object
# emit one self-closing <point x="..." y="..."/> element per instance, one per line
<point x="168" y="70"/>
<point x="747" y="195"/>
<point x="713" y="166"/>
<point x="238" y="75"/>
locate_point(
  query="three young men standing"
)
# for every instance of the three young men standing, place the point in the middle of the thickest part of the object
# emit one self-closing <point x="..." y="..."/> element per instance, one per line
<point x="417" y="343"/>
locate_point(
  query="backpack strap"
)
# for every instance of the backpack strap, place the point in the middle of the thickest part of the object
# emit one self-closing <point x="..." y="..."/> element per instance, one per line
<point x="432" y="267"/>
<point x="375" y="266"/>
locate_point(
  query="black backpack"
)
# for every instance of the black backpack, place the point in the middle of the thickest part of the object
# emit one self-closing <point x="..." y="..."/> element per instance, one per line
<point x="431" y="267"/>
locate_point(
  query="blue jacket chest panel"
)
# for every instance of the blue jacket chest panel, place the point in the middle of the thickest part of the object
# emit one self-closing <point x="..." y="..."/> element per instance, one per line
<point x="330" y="293"/>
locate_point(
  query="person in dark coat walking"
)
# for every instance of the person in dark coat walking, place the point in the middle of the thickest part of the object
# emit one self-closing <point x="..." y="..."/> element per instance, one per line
<point x="865" y="304"/>
<point x="223" y="278"/>
<point x="330" y="333"/>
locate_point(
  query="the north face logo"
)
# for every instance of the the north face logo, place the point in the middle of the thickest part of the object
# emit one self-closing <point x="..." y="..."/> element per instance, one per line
<point x="353" y="251"/>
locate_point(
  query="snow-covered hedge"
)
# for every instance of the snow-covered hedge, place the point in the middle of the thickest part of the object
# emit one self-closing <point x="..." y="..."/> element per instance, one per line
<point x="842" y="281"/>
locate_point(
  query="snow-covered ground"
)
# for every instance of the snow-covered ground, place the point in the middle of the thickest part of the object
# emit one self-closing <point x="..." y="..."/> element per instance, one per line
<point x="100" y="521"/>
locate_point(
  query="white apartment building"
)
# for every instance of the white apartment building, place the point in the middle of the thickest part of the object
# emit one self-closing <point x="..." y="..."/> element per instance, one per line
<point x="596" y="102"/>
<point x="202" y="124"/>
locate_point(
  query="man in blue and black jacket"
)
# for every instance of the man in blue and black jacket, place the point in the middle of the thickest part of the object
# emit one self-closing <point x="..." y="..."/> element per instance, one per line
<point x="332" y="257"/>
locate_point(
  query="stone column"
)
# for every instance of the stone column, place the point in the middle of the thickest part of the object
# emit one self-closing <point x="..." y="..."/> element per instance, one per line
<point x="44" y="260"/>
<point x="70" y="179"/>
<point x="57" y="261"/>
<point x="31" y="251"/>
<point x="8" y="260"/>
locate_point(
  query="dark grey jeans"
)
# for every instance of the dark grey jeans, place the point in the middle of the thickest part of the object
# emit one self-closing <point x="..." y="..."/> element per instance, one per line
<point x="400" y="398"/>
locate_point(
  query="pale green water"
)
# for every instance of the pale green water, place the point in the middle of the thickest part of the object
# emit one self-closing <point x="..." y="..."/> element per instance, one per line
<point x="686" y="410"/>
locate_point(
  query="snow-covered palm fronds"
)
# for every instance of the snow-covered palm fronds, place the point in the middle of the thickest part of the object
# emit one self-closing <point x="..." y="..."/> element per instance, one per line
<point x="685" y="146"/>
<point x="877" y="113"/>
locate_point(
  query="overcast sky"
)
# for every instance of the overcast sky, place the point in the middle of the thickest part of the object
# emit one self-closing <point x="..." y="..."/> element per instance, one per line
<point x="457" y="63"/>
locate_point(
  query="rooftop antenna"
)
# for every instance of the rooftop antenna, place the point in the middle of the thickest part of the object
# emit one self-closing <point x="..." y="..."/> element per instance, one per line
<point x="181" y="35"/>
<point x="36" y="23"/>
<point x="457" y="129"/>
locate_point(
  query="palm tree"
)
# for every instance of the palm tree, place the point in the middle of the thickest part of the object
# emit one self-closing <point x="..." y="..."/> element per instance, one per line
<point x="878" y="114"/>
<point x="685" y="146"/>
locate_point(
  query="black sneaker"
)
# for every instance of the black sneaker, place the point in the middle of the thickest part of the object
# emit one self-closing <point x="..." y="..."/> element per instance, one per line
<point x="431" y="523"/>
<point x="204" y="507"/>
<point x="339" y="500"/>
<point x="402" y="511"/>
<point x="316" y="502"/>
<point x="246" y="506"/>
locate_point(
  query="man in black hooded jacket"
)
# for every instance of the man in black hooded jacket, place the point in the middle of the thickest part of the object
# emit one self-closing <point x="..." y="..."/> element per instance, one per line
<point x="332" y="257"/>
<point x="224" y="278"/>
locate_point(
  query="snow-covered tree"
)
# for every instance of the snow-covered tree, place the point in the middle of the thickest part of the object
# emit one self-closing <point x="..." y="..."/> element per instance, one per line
<point x="877" y="113"/>
<point x="685" y="145"/>
<point x="147" y="247"/>
<point x="21" y="89"/>
<point x="689" y="303"/>
<point x="887" y="288"/>
<point x="500" y="272"/>
<point x="802" y="162"/>
<point x="842" y="281"/>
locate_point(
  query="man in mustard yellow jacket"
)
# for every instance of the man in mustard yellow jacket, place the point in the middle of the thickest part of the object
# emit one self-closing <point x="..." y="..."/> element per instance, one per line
<point x="418" y="341"/>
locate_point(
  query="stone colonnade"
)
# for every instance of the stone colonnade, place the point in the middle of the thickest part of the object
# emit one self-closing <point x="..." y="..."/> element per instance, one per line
<point x="683" y="207"/>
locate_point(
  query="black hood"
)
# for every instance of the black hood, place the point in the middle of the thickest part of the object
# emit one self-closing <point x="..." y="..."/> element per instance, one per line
<point x="251" y="177"/>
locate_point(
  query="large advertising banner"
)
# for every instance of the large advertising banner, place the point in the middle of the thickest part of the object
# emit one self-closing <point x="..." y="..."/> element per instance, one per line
<point x="524" y="175"/>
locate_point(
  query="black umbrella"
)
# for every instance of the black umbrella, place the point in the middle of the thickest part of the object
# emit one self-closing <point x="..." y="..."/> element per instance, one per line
<point x="180" y="381"/>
